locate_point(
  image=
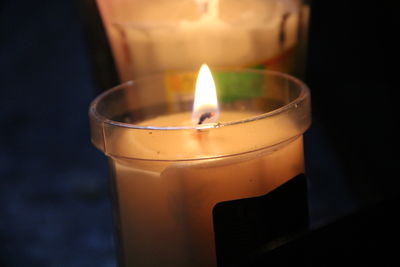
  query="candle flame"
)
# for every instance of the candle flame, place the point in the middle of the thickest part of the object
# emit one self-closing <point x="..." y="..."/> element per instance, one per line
<point x="205" y="106"/>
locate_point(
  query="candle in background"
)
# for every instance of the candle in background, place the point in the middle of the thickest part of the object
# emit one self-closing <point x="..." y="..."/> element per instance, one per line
<point x="173" y="35"/>
<point x="174" y="179"/>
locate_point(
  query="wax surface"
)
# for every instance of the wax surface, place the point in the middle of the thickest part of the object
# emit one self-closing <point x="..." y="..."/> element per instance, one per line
<point x="184" y="119"/>
<point x="165" y="207"/>
<point x="194" y="144"/>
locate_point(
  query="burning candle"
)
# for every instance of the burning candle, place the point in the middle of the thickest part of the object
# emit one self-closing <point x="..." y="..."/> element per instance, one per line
<point x="170" y="36"/>
<point x="172" y="169"/>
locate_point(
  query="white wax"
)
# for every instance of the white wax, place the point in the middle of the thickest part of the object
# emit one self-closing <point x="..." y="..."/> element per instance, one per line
<point x="165" y="207"/>
<point x="170" y="36"/>
<point x="221" y="45"/>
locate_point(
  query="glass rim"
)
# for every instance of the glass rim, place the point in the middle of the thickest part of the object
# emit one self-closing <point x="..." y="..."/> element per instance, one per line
<point x="304" y="93"/>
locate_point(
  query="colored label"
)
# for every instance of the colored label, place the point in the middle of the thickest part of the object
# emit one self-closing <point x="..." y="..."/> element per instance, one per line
<point x="232" y="86"/>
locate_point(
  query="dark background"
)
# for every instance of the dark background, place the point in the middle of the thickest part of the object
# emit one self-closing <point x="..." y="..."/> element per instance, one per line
<point x="54" y="195"/>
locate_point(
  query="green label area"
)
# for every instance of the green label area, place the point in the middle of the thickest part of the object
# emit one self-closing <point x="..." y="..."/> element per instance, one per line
<point x="232" y="86"/>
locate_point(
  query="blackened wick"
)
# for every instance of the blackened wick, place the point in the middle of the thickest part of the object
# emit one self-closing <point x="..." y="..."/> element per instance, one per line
<point x="205" y="116"/>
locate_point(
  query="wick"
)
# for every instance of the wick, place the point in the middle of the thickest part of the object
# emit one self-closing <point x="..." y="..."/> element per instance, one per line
<point x="205" y="116"/>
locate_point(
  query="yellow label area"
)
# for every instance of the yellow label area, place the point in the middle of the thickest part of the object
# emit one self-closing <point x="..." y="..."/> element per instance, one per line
<point x="179" y="88"/>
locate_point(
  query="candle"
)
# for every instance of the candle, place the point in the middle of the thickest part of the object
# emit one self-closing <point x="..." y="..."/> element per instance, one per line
<point x="170" y="175"/>
<point x="170" y="36"/>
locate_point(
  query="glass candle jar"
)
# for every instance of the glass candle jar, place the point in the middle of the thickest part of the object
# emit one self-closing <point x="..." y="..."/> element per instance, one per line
<point x="200" y="195"/>
<point x="169" y="36"/>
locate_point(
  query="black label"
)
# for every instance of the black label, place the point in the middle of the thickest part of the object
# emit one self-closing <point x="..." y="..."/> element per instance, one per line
<point x="247" y="228"/>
